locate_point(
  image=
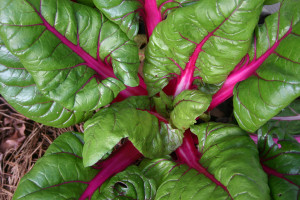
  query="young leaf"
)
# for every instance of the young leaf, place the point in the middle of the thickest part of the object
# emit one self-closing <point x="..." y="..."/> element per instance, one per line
<point x="19" y="89"/>
<point x="150" y="136"/>
<point x="129" y="184"/>
<point x="189" y="105"/>
<point x="205" y="40"/>
<point x="280" y="161"/>
<point x="59" y="174"/>
<point x="277" y="81"/>
<point x="60" y="42"/>
<point x="163" y="104"/>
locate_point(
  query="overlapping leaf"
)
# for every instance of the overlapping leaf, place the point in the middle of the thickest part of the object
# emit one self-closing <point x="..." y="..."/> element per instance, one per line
<point x="126" y="13"/>
<point x="59" y="174"/>
<point x="288" y="119"/>
<point x="149" y="135"/>
<point x="208" y="38"/>
<point x="163" y="104"/>
<point x="281" y="161"/>
<point x="60" y="41"/>
<point x="277" y="82"/>
<point x="19" y="89"/>
<point x="85" y="2"/>
<point x="129" y="184"/>
<point x="228" y="154"/>
<point x="122" y="12"/>
<point x="189" y="105"/>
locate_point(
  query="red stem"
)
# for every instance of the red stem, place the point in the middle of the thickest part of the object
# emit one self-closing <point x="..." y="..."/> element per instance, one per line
<point x="117" y="162"/>
<point x="152" y="15"/>
<point x="242" y="73"/>
<point x="188" y="154"/>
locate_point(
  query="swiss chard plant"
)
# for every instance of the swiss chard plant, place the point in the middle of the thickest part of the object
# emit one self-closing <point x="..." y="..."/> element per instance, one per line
<point x="149" y="135"/>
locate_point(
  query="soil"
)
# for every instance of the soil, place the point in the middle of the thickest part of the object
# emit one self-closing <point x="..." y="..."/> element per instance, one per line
<point x="22" y="143"/>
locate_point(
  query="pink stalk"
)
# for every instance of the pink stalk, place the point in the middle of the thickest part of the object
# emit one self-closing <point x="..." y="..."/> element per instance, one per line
<point x="254" y="138"/>
<point x="273" y="172"/>
<point x="189" y="154"/>
<point x="152" y="15"/>
<point x="117" y="162"/>
<point x="242" y="73"/>
<point x="140" y="90"/>
<point x="287" y="118"/>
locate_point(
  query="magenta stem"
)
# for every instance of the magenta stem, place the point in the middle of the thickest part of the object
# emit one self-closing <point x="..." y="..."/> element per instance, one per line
<point x="273" y="172"/>
<point x="188" y="154"/>
<point x="254" y="138"/>
<point x="152" y="15"/>
<point x="117" y="162"/>
<point x="242" y="73"/>
<point x="287" y="118"/>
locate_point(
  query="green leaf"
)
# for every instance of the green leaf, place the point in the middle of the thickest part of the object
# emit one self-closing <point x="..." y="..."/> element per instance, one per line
<point x="129" y="184"/>
<point x="209" y="38"/>
<point x="270" y="2"/>
<point x="189" y="105"/>
<point x="60" y="42"/>
<point x="163" y="104"/>
<point x="151" y="137"/>
<point x="227" y="153"/>
<point x="59" y="174"/>
<point x="19" y="90"/>
<point x="277" y="81"/>
<point x="122" y="12"/>
<point x="158" y="169"/>
<point x="280" y="161"/>
<point x="288" y="118"/>
<point x="85" y="2"/>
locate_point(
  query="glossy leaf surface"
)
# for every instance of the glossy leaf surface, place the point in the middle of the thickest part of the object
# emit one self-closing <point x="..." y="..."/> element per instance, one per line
<point x="148" y="134"/>
<point x="122" y="12"/>
<point x="129" y="184"/>
<point x="59" y="174"/>
<point x="277" y="81"/>
<point x="288" y="119"/>
<point x="228" y="153"/>
<point x="204" y="40"/>
<point x="60" y="42"/>
<point x="19" y="89"/>
<point x="189" y="105"/>
<point x="281" y="161"/>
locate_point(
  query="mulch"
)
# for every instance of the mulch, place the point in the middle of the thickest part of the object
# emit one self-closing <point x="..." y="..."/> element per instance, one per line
<point x="22" y="143"/>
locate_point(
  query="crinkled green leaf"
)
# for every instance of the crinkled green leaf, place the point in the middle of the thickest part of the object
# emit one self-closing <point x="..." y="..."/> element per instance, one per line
<point x="122" y="12"/>
<point x="288" y="119"/>
<point x="163" y="104"/>
<point x="129" y="184"/>
<point x="277" y="81"/>
<point x="158" y="169"/>
<point x="167" y="6"/>
<point x="59" y="174"/>
<point x="280" y="161"/>
<point x="19" y="89"/>
<point x="151" y="137"/>
<point x="59" y="42"/>
<point x="189" y="105"/>
<point x="228" y="153"/>
<point x="209" y="38"/>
